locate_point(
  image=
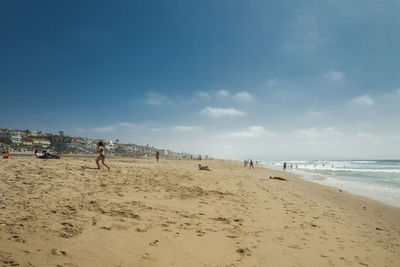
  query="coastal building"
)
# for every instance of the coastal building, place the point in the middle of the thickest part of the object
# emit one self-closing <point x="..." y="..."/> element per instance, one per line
<point x="36" y="141"/>
<point x="27" y="139"/>
<point x="16" y="138"/>
<point x="63" y="142"/>
<point x="109" y="145"/>
<point x="5" y="138"/>
<point x="41" y="141"/>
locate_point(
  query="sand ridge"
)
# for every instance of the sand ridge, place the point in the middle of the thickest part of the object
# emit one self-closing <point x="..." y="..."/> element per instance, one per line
<point x="67" y="213"/>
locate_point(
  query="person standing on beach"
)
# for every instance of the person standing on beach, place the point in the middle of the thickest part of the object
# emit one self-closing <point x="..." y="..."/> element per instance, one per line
<point x="157" y="156"/>
<point x="284" y="166"/>
<point x="102" y="156"/>
<point x="251" y="165"/>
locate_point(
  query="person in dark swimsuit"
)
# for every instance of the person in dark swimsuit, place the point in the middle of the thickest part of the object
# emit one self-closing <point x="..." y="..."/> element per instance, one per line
<point x="102" y="156"/>
<point x="204" y="168"/>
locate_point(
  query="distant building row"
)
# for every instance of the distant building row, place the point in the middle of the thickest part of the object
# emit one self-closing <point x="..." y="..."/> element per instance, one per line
<point x="27" y="139"/>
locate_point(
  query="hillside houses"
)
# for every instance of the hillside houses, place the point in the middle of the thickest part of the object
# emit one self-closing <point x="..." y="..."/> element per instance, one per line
<point x="63" y="143"/>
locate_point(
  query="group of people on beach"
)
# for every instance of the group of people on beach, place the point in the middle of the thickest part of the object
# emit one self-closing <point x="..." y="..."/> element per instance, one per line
<point x="250" y="162"/>
<point x="291" y="166"/>
<point x="101" y="156"/>
<point x="45" y="155"/>
<point x="100" y="150"/>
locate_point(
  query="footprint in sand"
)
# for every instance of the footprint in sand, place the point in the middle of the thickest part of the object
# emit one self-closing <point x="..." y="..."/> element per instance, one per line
<point x="18" y="238"/>
<point x="146" y="256"/>
<point x="244" y="251"/>
<point x="57" y="252"/>
<point x="200" y="233"/>
<point x="154" y="243"/>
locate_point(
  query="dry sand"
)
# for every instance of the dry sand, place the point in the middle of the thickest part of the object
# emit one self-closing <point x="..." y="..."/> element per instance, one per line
<point x="66" y="213"/>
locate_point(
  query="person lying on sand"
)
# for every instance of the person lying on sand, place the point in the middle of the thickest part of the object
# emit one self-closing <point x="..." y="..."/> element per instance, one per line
<point x="203" y="168"/>
<point x="45" y="155"/>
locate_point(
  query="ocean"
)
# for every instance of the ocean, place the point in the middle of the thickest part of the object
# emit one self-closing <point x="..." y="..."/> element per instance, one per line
<point x="375" y="179"/>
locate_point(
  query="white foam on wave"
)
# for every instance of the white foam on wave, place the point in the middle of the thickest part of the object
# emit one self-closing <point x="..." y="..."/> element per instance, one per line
<point x="376" y="191"/>
<point x="365" y="161"/>
<point x="386" y="193"/>
<point x="350" y="169"/>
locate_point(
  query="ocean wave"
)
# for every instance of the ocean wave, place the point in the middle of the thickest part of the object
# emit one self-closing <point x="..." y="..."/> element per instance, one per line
<point x="365" y="161"/>
<point x="385" y="193"/>
<point x="351" y="170"/>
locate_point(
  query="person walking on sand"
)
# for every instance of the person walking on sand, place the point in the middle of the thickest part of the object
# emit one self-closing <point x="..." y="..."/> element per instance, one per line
<point x="157" y="156"/>
<point x="102" y="156"/>
<point x="251" y="165"/>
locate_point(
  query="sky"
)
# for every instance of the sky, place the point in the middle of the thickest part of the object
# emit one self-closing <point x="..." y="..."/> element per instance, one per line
<point x="230" y="79"/>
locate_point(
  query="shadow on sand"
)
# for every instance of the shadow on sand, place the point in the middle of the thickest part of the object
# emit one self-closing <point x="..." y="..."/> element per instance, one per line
<point x="88" y="168"/>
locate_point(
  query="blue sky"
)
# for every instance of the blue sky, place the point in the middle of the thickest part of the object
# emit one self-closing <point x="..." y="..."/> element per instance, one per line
<point x="232" y="79"/>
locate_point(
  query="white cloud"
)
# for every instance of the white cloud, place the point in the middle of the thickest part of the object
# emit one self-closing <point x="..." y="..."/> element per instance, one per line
<point x="316" y="133"/>
<point x="157" y="99"/>
<point x="105" y="129"/>
<point x="243" y="96"/>
<point x="334" y="76"/>
<point x="222" y="112"/>
<point x="313" y="114"/>
<point x="364" y="135"/>
<point x="128" y="125"/>
<point x="223" y="93"/>
<point x="202" y="94"/>
<point x="186" y="128"/>
<point x="251" y="132"/>
<point x="364" y="100"/>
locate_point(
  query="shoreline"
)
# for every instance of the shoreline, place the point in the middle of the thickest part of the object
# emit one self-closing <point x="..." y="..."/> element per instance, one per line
<point x="65" y="212"/>
<point x="321" y="179"/>
<point x="361" y="198"/>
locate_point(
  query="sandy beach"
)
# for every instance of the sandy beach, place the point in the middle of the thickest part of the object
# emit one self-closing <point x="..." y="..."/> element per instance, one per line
<point x="142" y="213"/>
